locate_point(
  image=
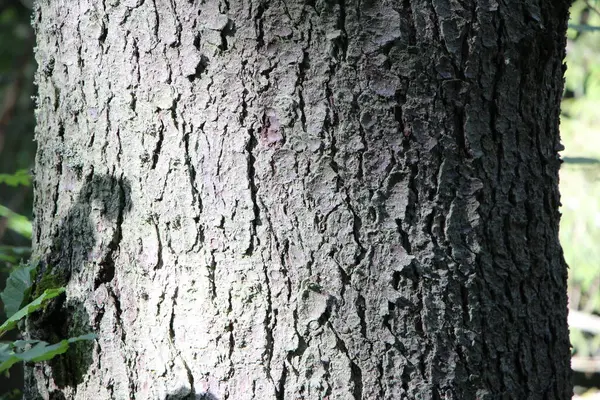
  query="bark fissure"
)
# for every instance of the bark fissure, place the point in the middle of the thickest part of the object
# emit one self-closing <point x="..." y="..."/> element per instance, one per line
<point x="192" y="175"/>
<point x="173" y="341"/>
<point x="158" y="146"/>
<point x="250" y="148"/>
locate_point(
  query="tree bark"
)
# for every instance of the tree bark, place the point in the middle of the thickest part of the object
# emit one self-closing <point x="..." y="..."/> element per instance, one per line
<point x="302" y="199"/>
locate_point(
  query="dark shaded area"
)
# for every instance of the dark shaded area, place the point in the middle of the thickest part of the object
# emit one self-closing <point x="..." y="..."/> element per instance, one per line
<point x="73" y="242"/>
<point x="76" y="236"/>
<point x="587" y="380"/>
<point x="184" y="394"/>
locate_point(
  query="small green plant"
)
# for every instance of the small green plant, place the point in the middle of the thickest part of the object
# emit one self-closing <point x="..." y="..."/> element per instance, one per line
<point x="17" y="306"/>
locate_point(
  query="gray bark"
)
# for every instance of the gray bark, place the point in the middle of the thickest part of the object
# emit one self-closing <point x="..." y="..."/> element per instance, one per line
<point x="302" y="199"/>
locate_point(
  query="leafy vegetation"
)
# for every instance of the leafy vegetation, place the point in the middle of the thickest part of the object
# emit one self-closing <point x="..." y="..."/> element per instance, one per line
<point x="35" y="350"/>
<point x="17" y="294"/>
<point x="17" y="150"/>
<point x="18" y="288"/>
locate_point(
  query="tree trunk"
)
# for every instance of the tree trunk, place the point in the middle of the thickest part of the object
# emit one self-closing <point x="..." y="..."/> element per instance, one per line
<point x="302" y="199"/>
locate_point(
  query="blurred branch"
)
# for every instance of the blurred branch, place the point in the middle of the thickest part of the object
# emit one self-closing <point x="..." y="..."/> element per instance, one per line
<point x="586" y="322"/>
<point x="581" y="160"/>
<point x="10" y="101"/>
<point x="591" y="7"/>
<point x="574" y="296"/>
<point x="585" y="364"/>
<point x="593" y="288"/>
<point x="13" y="92"/>
<point x="8" y="106"/>
<point x="28" y="4"/>
<point x="584" y="28"/>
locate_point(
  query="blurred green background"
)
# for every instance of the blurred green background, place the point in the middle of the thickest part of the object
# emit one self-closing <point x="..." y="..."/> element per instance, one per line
<point x="17" y="150"/>
<point x="580" y="173"/>
<point x="580" y="191"/>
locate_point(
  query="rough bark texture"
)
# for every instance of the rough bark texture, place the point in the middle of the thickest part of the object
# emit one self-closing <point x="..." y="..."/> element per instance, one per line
<point x="302" y="199"/>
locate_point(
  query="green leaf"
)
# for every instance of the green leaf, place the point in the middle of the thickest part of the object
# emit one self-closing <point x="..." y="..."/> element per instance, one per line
<point x="16" y="222"/>
<point x="19" y="178"/>
<point x="12" y="353"/>
<point x="23" y="343"/>
<point x="42" y="351"/>
<point x="5" y="351"/>
<point x="29" y="308"/>
<point x="12" y="360"/>
<point x="18" y="288"/>
<point x="7" y="356"/>
<point x="87" y="336"/>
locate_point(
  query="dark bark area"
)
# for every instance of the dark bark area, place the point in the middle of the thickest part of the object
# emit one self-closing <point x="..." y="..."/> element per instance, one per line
<point x="305" y="199"/>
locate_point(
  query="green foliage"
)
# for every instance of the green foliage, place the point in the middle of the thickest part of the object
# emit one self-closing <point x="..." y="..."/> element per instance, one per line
<point x="19" y="178"/>
<point x="34" y="350"/>
<point x="18" y="288"/>
<point x="35" y="305"/>
<point x="17" y="291"/>
<point x="17" y="148"/>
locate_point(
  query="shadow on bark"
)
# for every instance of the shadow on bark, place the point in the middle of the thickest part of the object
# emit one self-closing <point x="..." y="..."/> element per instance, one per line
<point x="74" y="241"/>
<point x="184" y="394"/>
